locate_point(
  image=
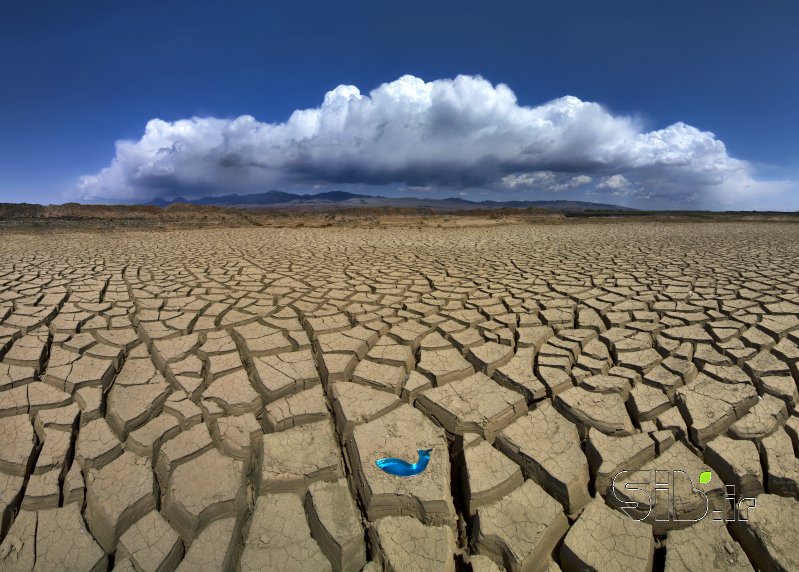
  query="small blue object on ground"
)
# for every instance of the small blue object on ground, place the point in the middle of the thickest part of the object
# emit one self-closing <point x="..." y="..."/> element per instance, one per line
<point x="400" y="468"/>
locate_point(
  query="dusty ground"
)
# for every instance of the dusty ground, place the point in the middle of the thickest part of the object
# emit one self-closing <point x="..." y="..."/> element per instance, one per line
<point x="216" y="399"/>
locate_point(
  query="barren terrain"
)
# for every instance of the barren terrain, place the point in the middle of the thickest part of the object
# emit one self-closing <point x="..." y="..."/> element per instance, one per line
<point x="216" y="399"/>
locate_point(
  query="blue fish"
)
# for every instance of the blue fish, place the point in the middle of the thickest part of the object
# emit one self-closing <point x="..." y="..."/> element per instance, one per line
<point x="400" y="468"/>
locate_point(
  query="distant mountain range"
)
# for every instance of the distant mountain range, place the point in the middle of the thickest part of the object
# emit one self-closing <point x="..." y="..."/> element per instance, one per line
<point x="344" y="199"/>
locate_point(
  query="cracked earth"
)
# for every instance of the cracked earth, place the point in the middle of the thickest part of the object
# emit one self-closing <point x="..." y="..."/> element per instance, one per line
<point x="216" y="399"/>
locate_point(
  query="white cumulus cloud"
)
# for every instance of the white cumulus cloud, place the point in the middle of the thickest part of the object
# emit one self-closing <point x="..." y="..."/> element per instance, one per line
<point x="543" y="181"/>
<point x="614" y="183"/>
<point x="459" y="133"/>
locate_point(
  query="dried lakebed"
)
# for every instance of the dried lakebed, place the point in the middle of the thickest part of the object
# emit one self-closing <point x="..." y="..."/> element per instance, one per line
<point x="216" y="399"/>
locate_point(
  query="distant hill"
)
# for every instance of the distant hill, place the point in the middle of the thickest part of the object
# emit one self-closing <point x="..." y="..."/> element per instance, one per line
<point x="264" y="199"/>
<point x="322" y="210"/>
<point x="348" y="200"/>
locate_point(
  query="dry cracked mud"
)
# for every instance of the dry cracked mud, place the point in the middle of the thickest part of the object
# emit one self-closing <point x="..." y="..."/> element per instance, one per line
<point x="217" y="399"/>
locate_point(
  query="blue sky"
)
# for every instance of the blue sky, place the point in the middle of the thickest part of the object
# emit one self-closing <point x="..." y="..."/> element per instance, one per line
<point x="650" y="104"/>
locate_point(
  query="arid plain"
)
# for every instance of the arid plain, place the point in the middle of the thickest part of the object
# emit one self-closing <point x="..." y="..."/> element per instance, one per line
<point x="217" y="399"/>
